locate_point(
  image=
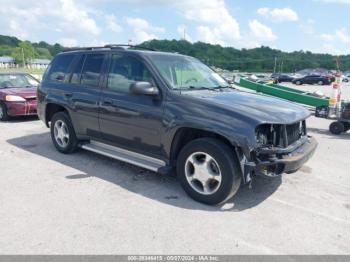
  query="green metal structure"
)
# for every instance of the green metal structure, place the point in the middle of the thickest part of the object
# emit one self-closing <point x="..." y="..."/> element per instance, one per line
<point x="287" y="93"/>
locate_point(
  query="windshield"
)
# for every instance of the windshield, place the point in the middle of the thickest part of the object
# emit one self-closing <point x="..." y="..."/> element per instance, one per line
<point x="16" y="80"/>
<point x="186" y="73"/>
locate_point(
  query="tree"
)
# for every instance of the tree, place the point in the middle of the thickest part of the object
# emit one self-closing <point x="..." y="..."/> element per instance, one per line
<point x="43" y="53"/>
<point x="6" y="50"/>
<point x="24" y="53"/>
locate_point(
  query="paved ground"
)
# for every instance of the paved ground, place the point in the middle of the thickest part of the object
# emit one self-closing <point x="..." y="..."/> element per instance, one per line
<point x="88" y="204"/>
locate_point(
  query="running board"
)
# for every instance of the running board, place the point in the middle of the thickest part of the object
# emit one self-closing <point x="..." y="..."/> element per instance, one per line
<point x="127" y="156"/>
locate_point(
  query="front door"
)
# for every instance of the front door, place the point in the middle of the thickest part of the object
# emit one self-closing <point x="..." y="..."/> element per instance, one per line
<point x="126" y="120"/>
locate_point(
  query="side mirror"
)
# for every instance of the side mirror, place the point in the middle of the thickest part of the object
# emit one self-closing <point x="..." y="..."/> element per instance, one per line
<point x="143" y="88"/>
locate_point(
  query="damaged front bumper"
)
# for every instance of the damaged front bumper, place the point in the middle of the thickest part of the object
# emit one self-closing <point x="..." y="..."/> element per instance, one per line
<point x="26" y="108"/>
<point x="275" y="161"/>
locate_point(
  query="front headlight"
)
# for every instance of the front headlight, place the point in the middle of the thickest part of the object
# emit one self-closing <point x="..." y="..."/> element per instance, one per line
<point x="261" y="138"/>
<point x="266" y="134"/>
<point x="11" y="98"/>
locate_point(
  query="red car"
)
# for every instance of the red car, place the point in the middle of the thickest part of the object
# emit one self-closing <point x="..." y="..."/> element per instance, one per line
<point x="17" y="95"/>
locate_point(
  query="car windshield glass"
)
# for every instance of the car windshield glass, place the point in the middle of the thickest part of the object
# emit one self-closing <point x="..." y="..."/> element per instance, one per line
<point x="187" y="73"/>
<point x="15" y="80"/>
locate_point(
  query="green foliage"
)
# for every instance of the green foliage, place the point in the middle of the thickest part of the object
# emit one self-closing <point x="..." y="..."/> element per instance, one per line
<point x="17" y="55"/>
<point x="12" y="46"/>
<point x="5" y="50"/>
<point x="260" y="59"/>
<point x="9" y="40"/>
<point x="43" y="53"/>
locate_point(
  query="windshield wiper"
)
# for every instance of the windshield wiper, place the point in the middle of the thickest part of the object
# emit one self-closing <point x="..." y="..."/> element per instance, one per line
<point x="215" y="88"/>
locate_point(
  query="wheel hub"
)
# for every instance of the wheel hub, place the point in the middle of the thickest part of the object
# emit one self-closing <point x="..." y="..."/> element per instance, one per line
<point x="61" y="133"/>
<point x="203" y="173"/>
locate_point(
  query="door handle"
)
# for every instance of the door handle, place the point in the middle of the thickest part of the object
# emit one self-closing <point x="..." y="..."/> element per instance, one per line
<point x="107" y="102"/>
<point x="68" y="95"/>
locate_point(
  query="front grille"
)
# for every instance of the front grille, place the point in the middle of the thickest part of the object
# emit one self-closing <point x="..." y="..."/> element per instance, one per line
<point x="280" y="135"/>
<point x="293" y="133"/>
<point x="31" y="98"/>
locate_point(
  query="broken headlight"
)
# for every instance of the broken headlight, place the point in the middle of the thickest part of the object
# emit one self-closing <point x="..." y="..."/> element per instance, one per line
<point x="267" y="135"/>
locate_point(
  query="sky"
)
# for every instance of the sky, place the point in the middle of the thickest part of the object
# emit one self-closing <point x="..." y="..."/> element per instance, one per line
<point x="321" y="26"/>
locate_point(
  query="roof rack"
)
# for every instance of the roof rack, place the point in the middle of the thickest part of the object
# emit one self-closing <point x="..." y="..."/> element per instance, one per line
<point x="110" y="46"/>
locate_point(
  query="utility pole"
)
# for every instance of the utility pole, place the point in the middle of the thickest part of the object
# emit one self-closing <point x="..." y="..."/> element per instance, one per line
<point x="23" y="57"/>
<point x="274" y="68"/>
<point x="282" y="66"/>
<point x="184" y="33"/>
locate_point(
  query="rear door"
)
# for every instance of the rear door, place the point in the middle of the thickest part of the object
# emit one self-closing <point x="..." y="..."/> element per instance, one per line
<point x="126" y="120"/>
<point x="85" y="81"/>
<point x="313" y="79"/>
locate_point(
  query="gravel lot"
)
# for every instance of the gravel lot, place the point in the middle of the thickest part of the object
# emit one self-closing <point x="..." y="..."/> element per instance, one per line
<point x="89" y="204"/>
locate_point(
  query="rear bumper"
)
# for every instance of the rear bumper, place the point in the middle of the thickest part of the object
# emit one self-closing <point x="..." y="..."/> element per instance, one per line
<point x="21" y="108"/>
<point x="286" y="162"/>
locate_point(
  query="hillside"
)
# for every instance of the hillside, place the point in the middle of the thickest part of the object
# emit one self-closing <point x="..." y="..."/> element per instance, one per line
<point x="12" y="46"/>
<point x="260" y="59"/>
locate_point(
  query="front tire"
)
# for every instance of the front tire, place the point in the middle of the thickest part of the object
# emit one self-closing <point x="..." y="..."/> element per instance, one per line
<point x="298" y="83"/>
<point x="320" y="83"/>
<point x="208" y="171"/>
<point x="62" y="133"/>
<point x="3" y="112"/>
<point x="336" y="128"/>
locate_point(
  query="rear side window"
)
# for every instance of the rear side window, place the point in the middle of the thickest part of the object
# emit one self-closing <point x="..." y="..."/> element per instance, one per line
<point x="76" y="72"/>
<point x="59" y="69"/>
<point x="91" y="73"/>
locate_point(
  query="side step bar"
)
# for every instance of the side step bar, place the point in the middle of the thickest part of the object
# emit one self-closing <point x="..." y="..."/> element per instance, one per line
<point x="127" y="156"/>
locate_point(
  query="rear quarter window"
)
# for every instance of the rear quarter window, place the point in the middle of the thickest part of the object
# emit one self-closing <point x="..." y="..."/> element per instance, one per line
<point x="58" y="71"/>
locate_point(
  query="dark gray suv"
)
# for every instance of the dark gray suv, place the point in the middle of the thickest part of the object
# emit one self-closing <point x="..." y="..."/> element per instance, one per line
<point x="170" y="113"/>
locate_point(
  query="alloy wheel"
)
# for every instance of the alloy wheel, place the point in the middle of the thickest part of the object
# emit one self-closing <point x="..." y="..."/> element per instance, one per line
<point x="203" y="173"/>
<point x="61" y="133"/>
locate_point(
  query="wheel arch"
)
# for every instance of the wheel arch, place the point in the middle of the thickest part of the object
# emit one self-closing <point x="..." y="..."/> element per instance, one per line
<point x="51" y="109"/>
<point x="186" y="134"/>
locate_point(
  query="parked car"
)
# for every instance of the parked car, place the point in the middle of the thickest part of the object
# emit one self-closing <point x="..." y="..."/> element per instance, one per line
<point x="280" y="78"/>
<point x="17" y="95"/>
<point x="171" y="113"/>
<point x="312" y="79"/>
<point x="346" y="78"/>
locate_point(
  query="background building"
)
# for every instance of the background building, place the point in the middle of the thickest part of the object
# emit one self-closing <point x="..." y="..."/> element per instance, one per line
<point x="7" y="62"/>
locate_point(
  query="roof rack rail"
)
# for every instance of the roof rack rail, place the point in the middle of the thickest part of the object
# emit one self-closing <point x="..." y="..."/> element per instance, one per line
<point x="109" y="46"/>
<point x="112" y="46"/>
<point x="68" y="49"/>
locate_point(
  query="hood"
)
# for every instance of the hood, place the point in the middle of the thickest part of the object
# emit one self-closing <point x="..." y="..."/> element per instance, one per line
<point x="27" y="92"/>
<point x="261" y="108"/>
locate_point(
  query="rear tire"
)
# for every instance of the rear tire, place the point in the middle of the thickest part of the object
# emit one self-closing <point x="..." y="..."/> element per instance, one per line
<point x="208" y="171"/>
<point x="62" y="133"/>
<point x="298" y="83"/>
<point x="320" y="83"/>
<point x="336" y="128"/>
<point x="3" y="112"/>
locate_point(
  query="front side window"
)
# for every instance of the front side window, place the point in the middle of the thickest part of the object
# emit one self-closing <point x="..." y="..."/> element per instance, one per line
<point x="91" y="73"/>
<point x="124" y="71"/>
<point x="184" y="72"/>
<point x="58" y="71"/>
